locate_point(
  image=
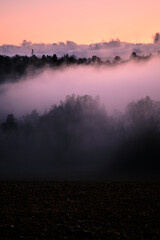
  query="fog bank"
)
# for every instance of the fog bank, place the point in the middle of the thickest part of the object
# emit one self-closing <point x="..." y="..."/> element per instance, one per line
<point x="116" y="86"/>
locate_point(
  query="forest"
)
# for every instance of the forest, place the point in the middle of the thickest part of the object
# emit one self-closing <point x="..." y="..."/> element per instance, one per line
<point x="79" y="140"/>
<point x="13" y="68"/>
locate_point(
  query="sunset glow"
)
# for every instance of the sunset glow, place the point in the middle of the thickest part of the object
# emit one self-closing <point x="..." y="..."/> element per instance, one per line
<point x="79" y="21"/>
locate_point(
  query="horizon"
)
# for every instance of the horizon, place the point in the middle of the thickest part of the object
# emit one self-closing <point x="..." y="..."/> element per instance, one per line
<point x="18" y="44"/>
<point x="104" y="50"/>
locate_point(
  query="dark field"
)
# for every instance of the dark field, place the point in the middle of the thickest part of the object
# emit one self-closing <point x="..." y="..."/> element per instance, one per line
<point x="79" y="210"/>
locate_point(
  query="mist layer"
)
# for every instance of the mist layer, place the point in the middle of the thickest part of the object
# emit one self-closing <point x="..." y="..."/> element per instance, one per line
<point x="116" y="86"/>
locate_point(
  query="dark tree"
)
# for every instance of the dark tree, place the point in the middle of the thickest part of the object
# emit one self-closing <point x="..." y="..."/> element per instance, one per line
<point x="96" y="59"/>
<point x="117" y="59"/>
<point x="11" y="123"/>
<point x="133" y="55"/>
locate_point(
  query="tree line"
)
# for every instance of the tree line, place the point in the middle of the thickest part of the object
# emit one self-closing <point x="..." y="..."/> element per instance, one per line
<point x="12" y="68"/>
<point x="77" y="139"/>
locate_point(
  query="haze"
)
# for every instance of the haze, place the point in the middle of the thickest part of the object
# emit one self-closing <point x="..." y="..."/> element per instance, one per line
<point x="116" y="86"/>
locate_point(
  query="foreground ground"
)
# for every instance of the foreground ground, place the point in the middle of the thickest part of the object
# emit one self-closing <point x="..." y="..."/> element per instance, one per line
<point x="79" y="210"/>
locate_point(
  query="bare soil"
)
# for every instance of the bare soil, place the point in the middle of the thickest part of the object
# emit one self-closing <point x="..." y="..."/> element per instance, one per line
<point x="79" y="210"/>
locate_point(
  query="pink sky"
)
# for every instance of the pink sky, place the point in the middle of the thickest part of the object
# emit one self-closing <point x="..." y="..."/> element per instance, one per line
<point x="84" y="21"/>
<point x="116" y="88"/>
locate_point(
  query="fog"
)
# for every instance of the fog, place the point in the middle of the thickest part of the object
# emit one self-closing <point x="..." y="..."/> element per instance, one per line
<point x="80" y="137"/>
<point x="116" y="86"/>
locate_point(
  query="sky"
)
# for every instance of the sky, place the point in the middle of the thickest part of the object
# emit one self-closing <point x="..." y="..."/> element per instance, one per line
<point x="85" y="21"/>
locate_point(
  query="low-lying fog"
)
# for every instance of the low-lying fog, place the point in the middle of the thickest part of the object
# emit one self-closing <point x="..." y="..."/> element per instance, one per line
<point x="116" y="86"/>
<point x="76" y="139"/>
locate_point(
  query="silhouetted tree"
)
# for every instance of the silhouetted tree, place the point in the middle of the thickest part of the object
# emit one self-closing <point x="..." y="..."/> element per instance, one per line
<point x="96" y="59"/>
<point x="134" y="55"/>
<point x="157" y="38"/>
<point x="117" y="59"/>
<point x="11" y="123"/>
<point x="78" y="136"/>
<point x="54" y="58"/>
<point x="12" y="68"/>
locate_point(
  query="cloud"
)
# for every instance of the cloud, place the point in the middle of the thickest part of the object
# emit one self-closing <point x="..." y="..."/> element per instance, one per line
<point x="104" y="50"/>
